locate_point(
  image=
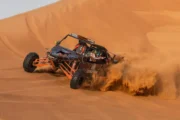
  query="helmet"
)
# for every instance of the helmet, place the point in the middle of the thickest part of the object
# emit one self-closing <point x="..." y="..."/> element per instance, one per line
<point x="82" y="42"/>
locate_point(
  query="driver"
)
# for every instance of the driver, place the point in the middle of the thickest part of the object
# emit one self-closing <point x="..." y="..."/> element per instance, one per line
<point x="93" y="56"/>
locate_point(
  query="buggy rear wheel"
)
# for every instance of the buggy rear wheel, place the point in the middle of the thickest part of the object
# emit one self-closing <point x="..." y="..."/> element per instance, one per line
<point x="28" y="62"/>
<point x="77" y="79"/>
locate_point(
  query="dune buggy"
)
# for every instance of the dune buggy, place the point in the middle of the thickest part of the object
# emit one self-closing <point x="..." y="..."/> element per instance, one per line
<point x="78" y="64"/>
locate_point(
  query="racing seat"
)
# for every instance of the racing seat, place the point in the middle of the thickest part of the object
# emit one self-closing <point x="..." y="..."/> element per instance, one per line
<point x="80" y="49"/>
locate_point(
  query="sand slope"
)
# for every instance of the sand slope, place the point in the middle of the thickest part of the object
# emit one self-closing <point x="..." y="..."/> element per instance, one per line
<point x="132" y="27"/>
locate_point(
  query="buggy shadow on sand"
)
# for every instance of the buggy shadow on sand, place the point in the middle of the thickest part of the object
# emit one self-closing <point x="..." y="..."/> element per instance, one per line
<point x="79" y="64"/>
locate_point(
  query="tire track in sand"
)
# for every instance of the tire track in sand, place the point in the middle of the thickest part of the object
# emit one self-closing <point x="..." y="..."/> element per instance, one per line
<point x="30" y="23"/>
<point x="9" y="46"/>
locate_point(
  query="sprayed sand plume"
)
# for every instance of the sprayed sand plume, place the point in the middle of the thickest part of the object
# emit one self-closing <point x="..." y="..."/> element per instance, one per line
<point x="142" y="76"/>
<point x="126" y="76"/>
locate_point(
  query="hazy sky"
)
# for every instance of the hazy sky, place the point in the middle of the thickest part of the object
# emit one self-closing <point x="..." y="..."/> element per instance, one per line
<point x="12" y="7"/>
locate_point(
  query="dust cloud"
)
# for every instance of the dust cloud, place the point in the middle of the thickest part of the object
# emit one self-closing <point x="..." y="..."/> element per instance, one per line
<point x="155" y="75"/>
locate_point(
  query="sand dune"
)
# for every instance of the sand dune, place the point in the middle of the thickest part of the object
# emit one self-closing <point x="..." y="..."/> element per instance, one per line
<point x="146" y="32"/>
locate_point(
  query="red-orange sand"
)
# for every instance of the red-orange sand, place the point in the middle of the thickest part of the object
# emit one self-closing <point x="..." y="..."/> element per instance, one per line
<point x="147" y="33"/>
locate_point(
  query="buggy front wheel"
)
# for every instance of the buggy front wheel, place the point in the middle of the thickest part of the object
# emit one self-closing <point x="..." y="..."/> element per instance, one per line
<point x="77" y="79"/>
<point x="28" y="62"/>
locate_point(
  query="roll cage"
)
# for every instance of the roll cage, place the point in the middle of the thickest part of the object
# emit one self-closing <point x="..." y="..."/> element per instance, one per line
<point x="79" y="37"/>
<point x="92" y="44"/>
